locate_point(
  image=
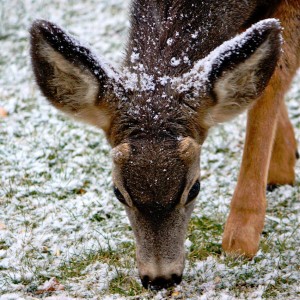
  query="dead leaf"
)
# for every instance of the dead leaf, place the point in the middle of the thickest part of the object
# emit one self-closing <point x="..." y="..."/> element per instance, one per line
<point x="175" y="294"/>
<point x="51" y="285"/>
<point x="45" y="249"/>
<point x="3" y="112"/>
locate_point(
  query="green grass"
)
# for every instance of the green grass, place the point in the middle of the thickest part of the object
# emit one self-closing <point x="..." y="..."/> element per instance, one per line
<point x="125" y="285"/>
<point x="119" y="261"/>
<point x="204" y="233"/>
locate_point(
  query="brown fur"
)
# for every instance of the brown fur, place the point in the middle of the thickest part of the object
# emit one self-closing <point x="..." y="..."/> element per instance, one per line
<point x="188" y="149"/>
<point x="283" y="159"/>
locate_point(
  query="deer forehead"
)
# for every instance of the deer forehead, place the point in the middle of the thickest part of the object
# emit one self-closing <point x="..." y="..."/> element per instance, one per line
<point x="155" y="184"/>
<point x="186" y="149"/>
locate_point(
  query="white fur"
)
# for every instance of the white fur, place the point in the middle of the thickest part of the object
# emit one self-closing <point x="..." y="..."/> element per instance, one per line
<point x="76" y="88"/>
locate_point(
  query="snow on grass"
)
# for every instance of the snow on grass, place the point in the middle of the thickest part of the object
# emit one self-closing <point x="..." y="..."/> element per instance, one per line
<point x="58" y="217"/>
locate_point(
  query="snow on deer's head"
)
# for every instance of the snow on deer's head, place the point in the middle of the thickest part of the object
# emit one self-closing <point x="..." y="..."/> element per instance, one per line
<point x="155" y="125"/>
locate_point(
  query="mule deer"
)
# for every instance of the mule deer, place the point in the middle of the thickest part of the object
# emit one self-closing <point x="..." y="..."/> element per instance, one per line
<point x="190" y="64"/>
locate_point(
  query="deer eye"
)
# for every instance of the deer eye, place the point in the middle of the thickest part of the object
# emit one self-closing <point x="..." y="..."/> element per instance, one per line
<point x="119" y="195"/>
<point x="194" y="191"/>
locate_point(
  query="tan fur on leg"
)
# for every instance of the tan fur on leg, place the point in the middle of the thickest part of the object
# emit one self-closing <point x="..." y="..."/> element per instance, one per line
<point x="245" y="222"/>
<point x="283" y="160"/>
<point x="246" y="219"/>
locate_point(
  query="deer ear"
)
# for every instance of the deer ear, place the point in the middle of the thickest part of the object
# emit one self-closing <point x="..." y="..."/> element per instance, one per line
<point x="70" y="76"/>
<point x="243" y="70"/>
<point x="236" y="73"/>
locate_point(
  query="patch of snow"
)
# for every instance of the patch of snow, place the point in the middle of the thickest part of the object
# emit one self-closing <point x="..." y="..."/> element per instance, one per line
<point x="170" y="41"/>
<point x="175" y="62"/>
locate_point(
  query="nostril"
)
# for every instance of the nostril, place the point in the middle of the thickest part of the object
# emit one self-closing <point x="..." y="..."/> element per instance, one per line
<point x="145" y="281"/>
<point x="176" y="278"/>
<point x="159" y="283"/>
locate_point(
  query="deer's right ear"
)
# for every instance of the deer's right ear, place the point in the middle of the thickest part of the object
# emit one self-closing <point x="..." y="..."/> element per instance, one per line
<point x="70" y="76"/>
<point x="233" y="75"/>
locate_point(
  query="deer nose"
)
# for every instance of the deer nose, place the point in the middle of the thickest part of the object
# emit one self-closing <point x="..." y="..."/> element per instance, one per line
<point x="161" y="282"/>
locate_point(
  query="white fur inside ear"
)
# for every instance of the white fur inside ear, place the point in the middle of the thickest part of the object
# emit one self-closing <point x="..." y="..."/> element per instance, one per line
<point x="76" y="85"/>
<point x="76" y="89"/>
<point x="237" y="88"/>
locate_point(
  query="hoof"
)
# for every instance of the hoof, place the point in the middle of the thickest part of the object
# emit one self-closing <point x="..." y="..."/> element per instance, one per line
<point x="242" y="233"/>
<point x="272" y="187"/>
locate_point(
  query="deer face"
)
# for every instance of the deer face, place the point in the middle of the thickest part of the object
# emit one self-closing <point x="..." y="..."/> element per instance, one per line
<point x="158" y="181"/>
<point x="156" y="172"/>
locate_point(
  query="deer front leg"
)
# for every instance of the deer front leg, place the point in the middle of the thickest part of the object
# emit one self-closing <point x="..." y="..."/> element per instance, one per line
<point x="284" y="154"/>
<point x="247" y="212"/>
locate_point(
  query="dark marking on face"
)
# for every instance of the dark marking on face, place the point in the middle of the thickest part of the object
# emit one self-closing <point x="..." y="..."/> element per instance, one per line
<point x="154" y="176"/>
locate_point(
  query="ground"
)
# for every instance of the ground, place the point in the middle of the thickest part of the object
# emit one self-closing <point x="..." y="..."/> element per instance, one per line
<point x="63" y="235"/>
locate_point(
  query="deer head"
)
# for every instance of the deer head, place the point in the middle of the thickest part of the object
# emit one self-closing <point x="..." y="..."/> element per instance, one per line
<point x="156" y="125"/>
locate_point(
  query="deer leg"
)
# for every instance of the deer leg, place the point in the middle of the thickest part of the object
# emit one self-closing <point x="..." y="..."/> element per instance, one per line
<point x="284" y="154"/>
<point x="247" y="211"/>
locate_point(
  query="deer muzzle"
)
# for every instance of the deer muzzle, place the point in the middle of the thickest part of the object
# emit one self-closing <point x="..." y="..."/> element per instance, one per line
<point x="157" y="275"/>
<point x="160" y="251"/>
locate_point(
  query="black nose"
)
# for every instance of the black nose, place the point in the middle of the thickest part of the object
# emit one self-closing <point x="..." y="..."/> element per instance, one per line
<point x="161" y="282"/>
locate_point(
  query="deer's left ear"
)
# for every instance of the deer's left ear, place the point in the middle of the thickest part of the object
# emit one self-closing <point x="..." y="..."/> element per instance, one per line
<point x="71" y="77"/>
<point x="237" y="72"/>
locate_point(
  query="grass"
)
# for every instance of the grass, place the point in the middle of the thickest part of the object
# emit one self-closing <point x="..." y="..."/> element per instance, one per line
<point x="119" y="262"/>
<point x="204" y="233"/>
<point x="125" y="285"/>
